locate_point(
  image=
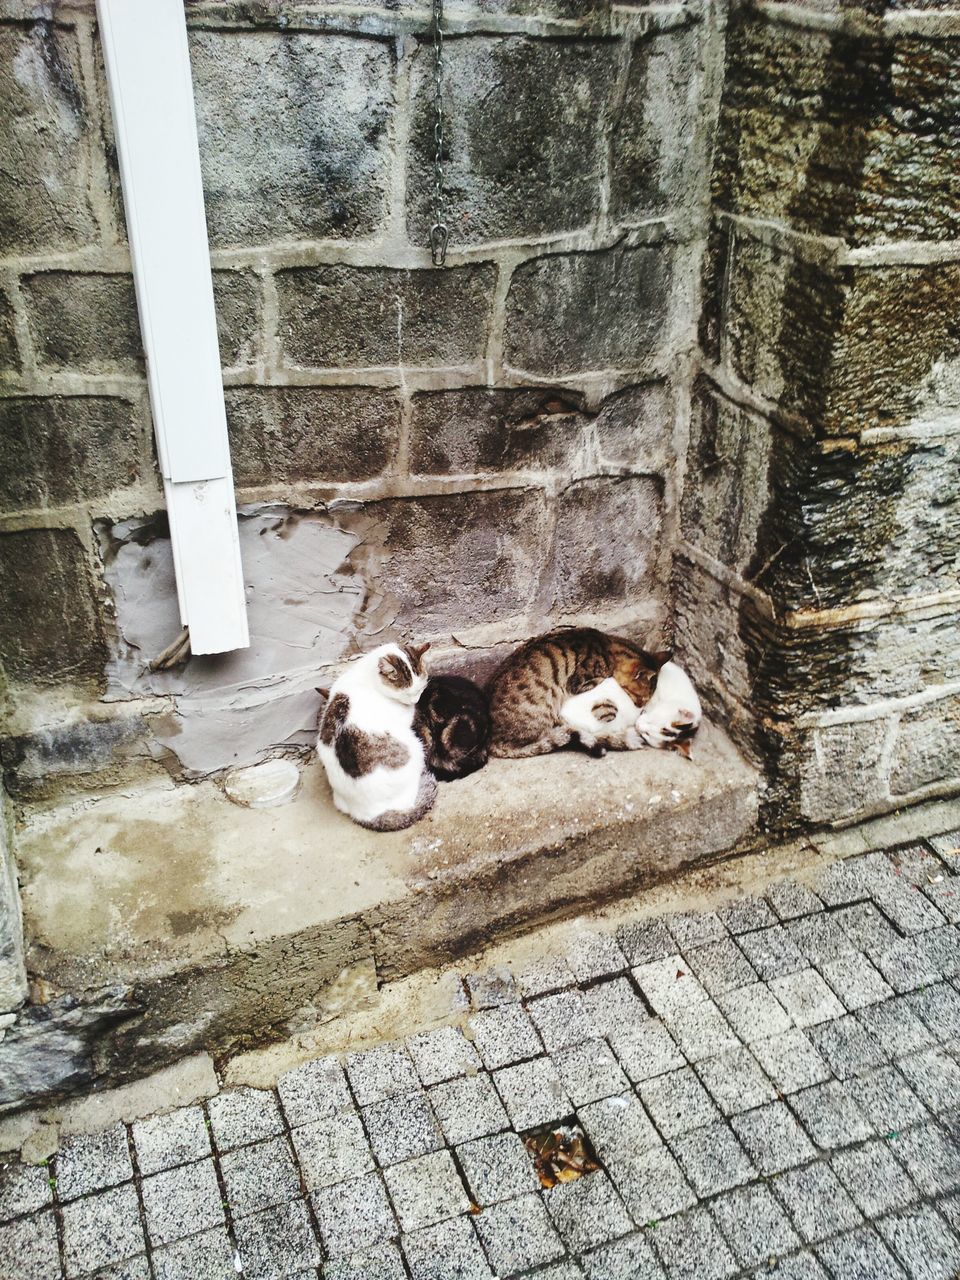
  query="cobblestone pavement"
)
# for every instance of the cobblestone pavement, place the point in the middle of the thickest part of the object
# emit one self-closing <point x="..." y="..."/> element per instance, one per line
<point x="771" y="1088"/>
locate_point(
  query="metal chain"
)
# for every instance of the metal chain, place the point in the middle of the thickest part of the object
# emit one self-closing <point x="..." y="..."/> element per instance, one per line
<point x="438" y="232"/>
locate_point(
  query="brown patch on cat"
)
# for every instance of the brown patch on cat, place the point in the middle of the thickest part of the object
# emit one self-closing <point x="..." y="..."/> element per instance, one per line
<point x="605" y="712"/>
<point x="334" y="718"/>
<point x="415" y="654"/>
<point x="395" y="671"/>
<point x="359" y="753"/>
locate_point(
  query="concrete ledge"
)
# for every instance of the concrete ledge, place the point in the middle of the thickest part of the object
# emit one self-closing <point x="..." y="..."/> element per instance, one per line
<point x="224" y="925"/>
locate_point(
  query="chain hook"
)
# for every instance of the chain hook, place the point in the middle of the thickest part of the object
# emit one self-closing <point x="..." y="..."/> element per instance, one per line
<point x="439" y="234"/>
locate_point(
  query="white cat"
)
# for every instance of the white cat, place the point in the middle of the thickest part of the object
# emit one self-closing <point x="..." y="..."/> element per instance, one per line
<point x="606" y="717"/>
<point x="375" y="762"/>
<point x="603" y="716"/>
<point x="674" y="713"/>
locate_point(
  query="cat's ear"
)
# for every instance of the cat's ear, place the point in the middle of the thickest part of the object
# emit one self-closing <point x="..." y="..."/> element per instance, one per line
<point x="324" y="693"/>
<point x="657" y="658"/>
<point x="416" y="651"/>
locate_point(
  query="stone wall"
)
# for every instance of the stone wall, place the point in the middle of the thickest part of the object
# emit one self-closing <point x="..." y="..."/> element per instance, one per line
<point x="466" y="455"/>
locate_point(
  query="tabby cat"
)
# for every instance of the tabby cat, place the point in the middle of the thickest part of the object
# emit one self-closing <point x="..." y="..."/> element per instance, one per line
<point x="453" y="718"/>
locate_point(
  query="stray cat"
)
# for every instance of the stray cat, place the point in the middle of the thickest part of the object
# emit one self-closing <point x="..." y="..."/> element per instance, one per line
<point x="453" y="718"/>
<point x="528" y="690"/>
<point x="375" y="761"/>
<point x="673" y="714"/>
<point x="603" y="716"/>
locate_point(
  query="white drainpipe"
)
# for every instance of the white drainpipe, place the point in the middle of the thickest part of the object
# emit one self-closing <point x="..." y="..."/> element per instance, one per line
<point x="151" y="95"/>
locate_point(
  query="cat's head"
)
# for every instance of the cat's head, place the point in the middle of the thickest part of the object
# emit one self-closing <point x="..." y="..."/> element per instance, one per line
<point x="640" y="678"/>
<point x="399" y="671"/>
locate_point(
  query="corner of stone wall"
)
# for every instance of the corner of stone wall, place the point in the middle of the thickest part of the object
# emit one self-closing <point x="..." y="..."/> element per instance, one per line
<point x="13" y="974"/>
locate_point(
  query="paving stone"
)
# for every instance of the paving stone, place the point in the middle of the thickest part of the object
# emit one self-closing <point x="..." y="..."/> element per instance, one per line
<point x="677" y="1102"/>
<point x="876" y="1182"/>
<point x="241" y="1116"/>
<point x="830" y="1115"/>
<point x="208" y="1256"/>
<point x="745" y="915"/>
<point x="24" y="1188"/>
<point x="887" y="1100"/>
<point x="866" y="928"/>
<point x="314" y="1091"/>
<point x="103" y="1229"/>
<point x="855" y="981"/>
<point x="653" y="1186"/>
<point x="532" y="1093"/>
<point x="922" y="1242"/>
<point x="647" y="1051"/>
<point x="754" y="1013"/>
<point x="497" y="1168"/>
<point x="491" y="987"/>
<point x="692" y="1248"/>
<point x="774" y="1139"/>
<point x="847" y="881"/>
<point x="442" y="1054"/>
<point x="518" y="1235"/>
<point x="772" y="952"/>
<point x="945" y="846"/>
<point x="807" y="998"/>
<point x="799" y="1266"/>
<point x="645" y="941"/>
<point x="721" y="966"/>
<point x="136" y="1268"/>
<point x="735" y="1081"/>
<point x="906" y="907"/>
<point x="630" y="1257"/>
<point x="895" y="1025"/>
<point x="619" y="1129"/>
<point x="426" y="1190"/>
<point x="28" y="1249"/>
<point x="754" y="1225"/>
<point x="696" y="928"/>
<point x="447" y="1249"/>
<point x="562" y="1271"/>
<point x="259" y="1176"/>
<point x="934" y="1076"/>
<point x="504" y="1036"/>
<point x="790" y="899"/>
<point x="712" y="1159"/>
<point x="181" y="1201"/>
<point x="820" y="938"/>
<point x="380" y="1073"/>
<point x="949" y="1206"/>
<point x="381" y="1262"/>
<point x="614" y="1008"/>
<point x="587" y="1212"/>
<point x="402" y="1127"/>
<point x="701" y="1031"/>
<point x="938" y="1007"/>
<point x="332" y="1150"/>
<point x="552" y="973"/>
<point x="278" y="1242"/>
<point x="168" y="1140"/>
<point x="589" y="1071"/>
<point x="860" y="1255"/>
<point x="470" y="1108"/>
<point x="668" y="985"/>
<point x="931" y="1155"/>
<point x="945" y="896"/>
<point x="90" y="1162"/>
<point x="354" y="1215"/>
<point x="816" y="1202"/>
<point x="561" y="1020"/>
<point x="791" y="1061"/>
<point x="909" y="963"/>
<point x="847" y="1046"/>
<point x="595" y="955"/>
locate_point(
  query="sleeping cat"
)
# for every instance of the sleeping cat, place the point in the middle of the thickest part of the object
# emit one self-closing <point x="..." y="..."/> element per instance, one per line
<point x="453" y="718"/>
<point x="375" y="760"/>
<point x="529" y="689"/>
<point x="606" y="718"/>
<point x="673" y="714"/>
<point x="603" y="716"/>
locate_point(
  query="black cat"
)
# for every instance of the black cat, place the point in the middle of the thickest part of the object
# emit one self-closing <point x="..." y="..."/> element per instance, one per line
<point x="453" y="719"/>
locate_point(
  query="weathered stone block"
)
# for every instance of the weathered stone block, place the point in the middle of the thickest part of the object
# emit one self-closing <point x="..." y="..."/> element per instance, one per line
<point x="367" y="316"/>
<point x="48" y="626"/>
<point x="13" y="976"/>
<point x="45" y="135"/>
<point x="86" y="755"/>
<point x="238" y="298"/>
<point x="927" y="748"/>
<point x="84" y="322"/>
<point x="571" y="312"/>
<point x="659" y="145"/>
<point x="326" y="434"/>
<point x="61" y="450"/>
<point x="293" y="134"/>
<point x="618" y="568"/>
<point x="839" y="133"/>
<point x="521" y="133"/>
<point x="9" y="351"/>
<point x="840" y="770"/>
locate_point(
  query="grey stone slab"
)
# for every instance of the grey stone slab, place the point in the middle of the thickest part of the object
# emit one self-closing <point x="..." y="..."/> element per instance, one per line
<point x="547" y="974"/>
<point x="593" y="955"/>
<point x="504" y="1036"/>
<point x="754" y="1225"/>
<point x="712" y="1159"/>
<point x="772" y="952"/>
<point x="589" y="1071"/>
<point x="856" y="981"/>
<point x="447" y="1249"/>
<point x="90" y="1162"/>
<point x="938" y="1007"/>
<point x="332" y="1150"/>
<point x="799" y="1266"/>
<point x="630" y="1257"/>
<point x="164" y="1141"/>
<point x="647" y="1051"/>
<point x="867" y="929"/>
<point x="619" y="1129"/>
<point x="24" y="1188"/>
<point x="470" y="1108"/>
<point x="497" y="1168"/>
<point x="181" y="1202"/>
<point x="945" y="896"/>
<point x="721" y="966"/>
<point x="402" y="1127"/>
<point x="102" y="1230"/>
<point x="695" y="928"/>
<point x="745" y="915"/>
<point x="906" y="907"/>
<point x="831" y="1116"/>
<point x="518" y="1235"/>
<point x="208" y="1256"/>
<point x="568" y="1270"/>
<point x="442" y="1054"/>
<point x="876" y="1182"/>
<point x="29" y="1250"/>
<point x="561" y="1019"/>
<point x="931" y="1155"/>
<point x="314" y="1091"/>
<point x="677" y="1102"/>
<point x="381" y="1262"/>
<point x="894" y="1025"/>
<point x="847" y="1046"/>
<point x="820" y="938"/>
<point x="426" y="1190"/>
<point x="241" y="1116"/>
<point x="532" y="1093"/>
<point x="380" y="1073"/>
<point x="259" y="1176"/>
<point x="701" y="1031"/>
<point x="137" y="1268"/>
<point x="653" y="1186"/>
<point x="692" y="1248"/>
<point x="922" y="1242"/>
<point x="587" y="1212"/>
<point x="851" y="880"/>
<point x="887" y="1100"/>
<point x="668" y="985"/>
<point x="807" y="998"/>
<point x="614" y="1008"/>
<point x="791" y="1061"/>
<point x="774" y="1139"/>
<point x="790" y="899"/>
<point x="278" y="1242"/>
<point x="735" y="1081"/>
<point x="817" y="1203"/>
<point x="860" y="1255"/>
<point x="754" y="1012"/>
<point x="645" y="940"/>
<point x="909" y="963"/>
<point x="491" y="987"/>
<point x="934" y="1076"/>
<point x="353" y="1215"/>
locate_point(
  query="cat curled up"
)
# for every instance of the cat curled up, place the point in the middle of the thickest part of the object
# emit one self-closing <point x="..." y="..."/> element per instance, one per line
<point x="374" y="757"/>
<point x="453" y="718"/>
<point x="606" y="717"/>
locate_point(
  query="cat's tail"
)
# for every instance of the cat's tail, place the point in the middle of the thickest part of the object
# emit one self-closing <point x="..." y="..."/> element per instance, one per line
<point x="554" y="738"/>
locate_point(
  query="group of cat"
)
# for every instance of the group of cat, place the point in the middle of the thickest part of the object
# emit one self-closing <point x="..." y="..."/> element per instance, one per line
<point x="388" y="732"/>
